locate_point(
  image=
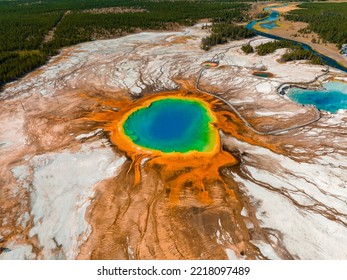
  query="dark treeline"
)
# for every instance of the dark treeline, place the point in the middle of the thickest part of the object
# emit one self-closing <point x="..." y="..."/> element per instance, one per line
<point x="80" y="27"/>
<point x="238" y="14"/>
<point x="25" y="31"/>
<point x="295" y="51"/>
<point x="24" y="25"/>
<point x="301" y="54"/>
<point x="224" y="28"/>
<point x="329" y="20"/>
<point x="15" y="64"/>
<point x="262" y="14"/>
<point x="247" y="49"/>
<point x="222" y="32"/>
<point x="270" y="47"/>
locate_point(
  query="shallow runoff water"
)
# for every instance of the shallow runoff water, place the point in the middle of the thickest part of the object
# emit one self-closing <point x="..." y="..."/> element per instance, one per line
<point x="332" y="98"/>
<point x="172" y="125"/>
<point x="268" y="22"/>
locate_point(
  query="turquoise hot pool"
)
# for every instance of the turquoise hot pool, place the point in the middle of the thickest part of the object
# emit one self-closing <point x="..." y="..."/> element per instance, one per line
<point x="332" y="98"/>
<point x="173" y="125"/>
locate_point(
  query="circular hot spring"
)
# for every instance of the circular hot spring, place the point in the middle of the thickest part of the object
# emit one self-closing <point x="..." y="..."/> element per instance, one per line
<point x="172" y="125"/>
<point x="210" y="64"/>
<point x="263" y="74"/>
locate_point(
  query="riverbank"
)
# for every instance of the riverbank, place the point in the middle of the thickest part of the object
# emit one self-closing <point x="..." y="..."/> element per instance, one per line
<point x="289" y="30"/>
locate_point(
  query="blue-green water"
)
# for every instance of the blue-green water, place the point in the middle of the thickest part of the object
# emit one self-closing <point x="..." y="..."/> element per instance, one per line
<point x="172" y="125"/>
<point x="333" y="98"/>
<point x="263" y="74"/>
<point x="270" y="23"/>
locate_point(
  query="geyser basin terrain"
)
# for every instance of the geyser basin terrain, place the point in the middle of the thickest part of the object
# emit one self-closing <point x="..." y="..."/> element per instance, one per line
<point x="172" y="125"/>
<point x="256" y="196"/>
<point x="332" y="98"/>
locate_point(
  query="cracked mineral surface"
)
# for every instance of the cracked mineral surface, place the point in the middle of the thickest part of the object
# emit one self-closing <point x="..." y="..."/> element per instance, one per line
<point x="70" y="190"/>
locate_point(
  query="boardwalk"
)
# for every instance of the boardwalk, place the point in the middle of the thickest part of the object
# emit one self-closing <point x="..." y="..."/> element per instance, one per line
<point x="272" y="132"/>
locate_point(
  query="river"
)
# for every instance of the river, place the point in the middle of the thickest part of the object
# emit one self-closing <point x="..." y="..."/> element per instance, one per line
<point x="270" y="23"/>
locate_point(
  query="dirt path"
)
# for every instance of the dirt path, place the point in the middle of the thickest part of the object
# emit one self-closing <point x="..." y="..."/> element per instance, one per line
<point x="50" y="34"/>
<point x="219" y="56"/>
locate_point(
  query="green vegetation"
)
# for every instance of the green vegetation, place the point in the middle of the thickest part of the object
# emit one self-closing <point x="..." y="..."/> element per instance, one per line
<point x="305" y="30"/>
<point x="247" y="49"/>
<point x="295" y="51"/>
<point x="224" y="27"/>
<point x="222" y="32"/>
<point x="301" y="54"/>
<point x="270" y="47"/>
<point x="13" y="64"/>
<point x="261" y="15"/>
<point x="24" y="24"/>
<point x="25" y="31"/>
<point x="79" y="27"/>
<point x="328" y="20"/>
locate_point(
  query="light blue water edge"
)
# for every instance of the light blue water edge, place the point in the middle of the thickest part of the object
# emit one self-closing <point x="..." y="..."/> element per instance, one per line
<point x="270" y="21"/>
<point x="331" y="98"/>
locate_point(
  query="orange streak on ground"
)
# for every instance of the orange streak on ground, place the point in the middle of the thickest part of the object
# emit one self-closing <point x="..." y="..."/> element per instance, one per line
<point x="177" y="170"/>
<point x="210" y="64"/>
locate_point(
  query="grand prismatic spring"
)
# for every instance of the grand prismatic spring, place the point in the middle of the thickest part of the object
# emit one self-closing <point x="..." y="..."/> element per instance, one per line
<point x="129" y="149"/>
<point x="172" y="125"/>
<point x="187" y="169"/>
<point x="177" y="130"/>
